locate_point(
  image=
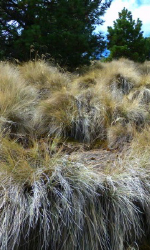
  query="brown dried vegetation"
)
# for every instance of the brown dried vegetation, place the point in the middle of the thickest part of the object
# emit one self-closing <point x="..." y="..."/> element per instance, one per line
<point x="74" y="157"/>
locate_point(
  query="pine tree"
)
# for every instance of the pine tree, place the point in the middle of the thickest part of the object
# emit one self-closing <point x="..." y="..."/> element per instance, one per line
<point x="125" y="38"/>
<point x="63" y="29"/>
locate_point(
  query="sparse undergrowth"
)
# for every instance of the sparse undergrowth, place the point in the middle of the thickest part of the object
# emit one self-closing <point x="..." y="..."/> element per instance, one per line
<point x="52" y="201"/>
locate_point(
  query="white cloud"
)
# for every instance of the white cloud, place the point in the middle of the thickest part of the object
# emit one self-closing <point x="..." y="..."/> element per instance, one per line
<point x="141" y="11"/>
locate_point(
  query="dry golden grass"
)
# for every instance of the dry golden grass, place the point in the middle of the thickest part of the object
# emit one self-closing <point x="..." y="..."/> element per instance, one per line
<point x="56" y="114"/>
<point x="120" y="134"/>
<point x="83" y="109"/>
<point x="115" y="70"/>
<point x="52" y="201"/>
<point x="87" y="107"/>
<point x="44" y="77"/>
<point x="85" y="81"/>
<point x="144" y="68"/>
<point x="140" y="145"/>
<point x="55" y="202"/>
<point x="17" y="101"/>
<point x="25" y="165"/>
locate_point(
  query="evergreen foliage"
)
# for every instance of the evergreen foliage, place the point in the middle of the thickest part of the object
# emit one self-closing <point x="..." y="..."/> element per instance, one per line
<point x="61" y="29"/>
<point x="147" y="41"/>
<point x="126" y="38"/>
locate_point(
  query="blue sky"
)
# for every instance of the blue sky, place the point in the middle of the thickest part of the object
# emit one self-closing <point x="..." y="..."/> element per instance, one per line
<point x="139" y="8"/>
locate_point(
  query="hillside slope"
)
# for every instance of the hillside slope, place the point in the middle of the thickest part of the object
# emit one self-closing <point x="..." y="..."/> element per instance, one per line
<point x="74" y="157"/>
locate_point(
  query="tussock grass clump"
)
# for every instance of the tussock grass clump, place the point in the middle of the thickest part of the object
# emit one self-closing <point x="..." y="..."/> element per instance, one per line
<point x="127" y="117"/>
<point x="89" y="123"/>
<point x="120" y="134"/>
<point x="141" y="144"/>
<point x="143" y="95"/>
<point x="131" y="112"/>
<point x="86" y="81"/>
<point x="121" y="74"/>
<point x="44" y="77"/>
<point x="62" y="204"/>
<point x="17" y="101"/>
<point x="52" y="201"/>
<point x="57" y="114"/>
<point x="86" y="109"/>
<point x="80" y="116"/>
<point x="144" y="68"/>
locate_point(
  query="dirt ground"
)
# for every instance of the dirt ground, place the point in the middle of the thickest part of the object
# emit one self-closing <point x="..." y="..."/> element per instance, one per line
<point x="101" y="160"/>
